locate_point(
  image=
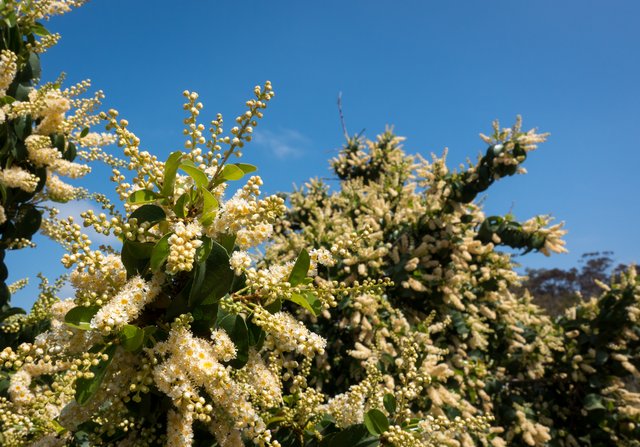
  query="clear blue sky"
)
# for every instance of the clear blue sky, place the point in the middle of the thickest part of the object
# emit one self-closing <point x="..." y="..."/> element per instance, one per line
<point x="439" y="71"/>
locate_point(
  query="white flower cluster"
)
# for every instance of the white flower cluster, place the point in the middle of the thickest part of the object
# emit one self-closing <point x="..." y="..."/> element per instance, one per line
<point x="97" y="139"/>
<point x="199" y="366"/>
<point x="8" y="68"/>
<point x="59" y="191"/>
<point x="287" y="334"/>
<point x="239" y="261"/>
<point x="127" y="304"/>
<point x="553" y="234"/>
<point x="320" y="256"/>
<point x="40" y="151"/>
<point x="16" y="177"/>
<point x="183" y="244"/>
<point x="246" y="217"/>
<point x="52" y="108"/>
<point x="179" y="428"/>
<point x="41" y="154"/>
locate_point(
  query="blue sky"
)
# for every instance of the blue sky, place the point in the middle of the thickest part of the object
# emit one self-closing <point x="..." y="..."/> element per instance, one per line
<point x="439" y="71"/>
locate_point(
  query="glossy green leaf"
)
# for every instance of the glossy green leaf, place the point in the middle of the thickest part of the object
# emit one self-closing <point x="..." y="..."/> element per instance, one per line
<point x="39" y="30"/>
<point x="34" y="69"/>
<point x="148" y="213"/>
<point x="202" y="253"/>
<point x="71" y="152"/>
<point x="180" y="208"/>
<point x="142" y="196"/>
<point x="300" y="268"/>
<point x="131" y="337"/>
<point x="86" y="388"/>
<point x="160" y="253"/>
<point x="80" y="316"/>
<point x="198" y="176"/>
<point x="209" y="207"/>
<point x="209" y="200"/>
<point x="232" y="172"/>
<point x="135" y="256"/>
<point x="274" y="307"/>
<point x="205" y="315"/>
<point x="84" y="132"/>
<point x="376" y="422"/>
<point x="309" y="301"/>
<point x="246" y="167"/>
<point x="352" y="436"/>
<point x="212" y="277"/>
<point x="57" y="427"/>
<point x="256" y="335"/>
<point x="389" y="402"/>
<point x="593" y="402"/>
<point x="22" y="92"/>
<point x="170" y="170"/>
<point x="140" y="250"/>
<point x="228" y="241"/>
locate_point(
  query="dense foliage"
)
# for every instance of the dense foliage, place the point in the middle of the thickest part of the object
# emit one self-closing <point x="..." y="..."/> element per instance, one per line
<point x="386" y="312"/>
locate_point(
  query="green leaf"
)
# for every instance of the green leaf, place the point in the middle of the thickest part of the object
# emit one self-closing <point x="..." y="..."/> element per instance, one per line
<point x="6" y="100"/>
<point x="34" y="69"/>
<point x="352" y="436"/>
<point x="160" y="253"/>
<point x="232" y="172"/>
<point x="142" y="196"/>
<point x="274" y="307"/>
<point x="198" y="176"/>
<point x="57" y="427"/>
<point x="131" y="337"/>
<point x="228" y="241"/>
<point x="209" y="207"/>
<point x="459" y="323"/>
<point x="139" y="250"/>
<point x="22" y="92"/>
<point x="236" y="328"/>
<point x="81" y="439"/>
<point x="210" y="202"/>
<point x="135" y="256"/>
<point x="593" y="402"/>
<point x="309" y="301"/>
<point x="246" y="167"/>
<point x="181" y="204"/>
<point x="202" y="253"/>
<point x="376" y="422"/>
<point x="300" y="268"/>
<point x="39" y="30"/>
<point x="170" y="170"/>
<point x="80" y="316"/>
<point x="84" y="132"/>
<point x="389" y="402"/>
<point x="212" y="277"/>
<point x="148" y="213"/>
<point x="86" y="388"/>
<point x="256" y="335"/>
<point x="204" y="315"/>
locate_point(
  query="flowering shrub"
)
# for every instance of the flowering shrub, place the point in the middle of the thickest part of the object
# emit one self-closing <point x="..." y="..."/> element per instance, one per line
<point x="539" y="382"/>
<point x="381" y="314"/>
